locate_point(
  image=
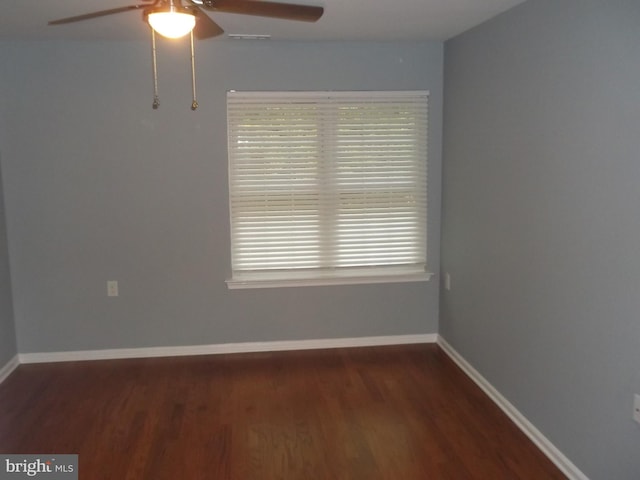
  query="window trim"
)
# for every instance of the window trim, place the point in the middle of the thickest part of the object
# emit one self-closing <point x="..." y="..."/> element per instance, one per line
<point x="327" y="278"/>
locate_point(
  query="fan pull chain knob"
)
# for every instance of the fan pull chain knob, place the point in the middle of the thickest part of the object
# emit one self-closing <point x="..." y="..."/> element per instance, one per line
<point x="194" y="105"/>
<point x="156" y="102"/>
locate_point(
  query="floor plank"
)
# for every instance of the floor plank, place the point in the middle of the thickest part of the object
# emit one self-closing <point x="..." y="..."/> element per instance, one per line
<point x="398" y="412"/>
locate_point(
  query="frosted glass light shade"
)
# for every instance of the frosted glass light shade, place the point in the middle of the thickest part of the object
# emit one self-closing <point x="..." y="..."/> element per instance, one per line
<point x="172" y="24"/>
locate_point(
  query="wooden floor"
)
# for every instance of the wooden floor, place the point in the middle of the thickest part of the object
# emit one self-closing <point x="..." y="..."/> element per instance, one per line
<point x="396" y="413"/>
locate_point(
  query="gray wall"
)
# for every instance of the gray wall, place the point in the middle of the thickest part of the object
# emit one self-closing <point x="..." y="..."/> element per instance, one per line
<point x="7" y="330"/>
<point x="541" y="219"/>
<point x="101" y="187"/>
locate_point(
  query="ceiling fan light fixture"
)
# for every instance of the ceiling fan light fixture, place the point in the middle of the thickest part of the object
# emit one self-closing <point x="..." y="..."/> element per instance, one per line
<point x="172" y="21"/>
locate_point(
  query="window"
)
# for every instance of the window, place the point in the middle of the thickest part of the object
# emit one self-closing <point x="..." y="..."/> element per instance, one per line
<point x="327" y="187"/>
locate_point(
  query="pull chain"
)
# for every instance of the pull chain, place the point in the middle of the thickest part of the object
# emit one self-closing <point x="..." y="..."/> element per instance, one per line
<point x="194" y="104"/>
<point x="156" y="99"/>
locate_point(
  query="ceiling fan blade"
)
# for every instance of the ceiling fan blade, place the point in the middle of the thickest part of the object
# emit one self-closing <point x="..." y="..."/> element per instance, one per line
<point x="101" y="13"/>
<point x="288" y="11"/>
<point x="205" y="27"/>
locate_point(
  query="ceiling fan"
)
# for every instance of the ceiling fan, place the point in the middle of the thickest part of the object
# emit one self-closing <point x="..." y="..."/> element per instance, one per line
<point x="192" y="15"/>
<point x="172" y="19"/>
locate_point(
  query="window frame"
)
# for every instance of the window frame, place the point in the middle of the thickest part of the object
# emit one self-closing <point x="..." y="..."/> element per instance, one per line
<point x="294" y="277"/>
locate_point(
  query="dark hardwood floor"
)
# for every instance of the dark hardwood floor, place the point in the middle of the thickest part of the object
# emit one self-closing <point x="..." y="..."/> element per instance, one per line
<point x="396" y="413"/>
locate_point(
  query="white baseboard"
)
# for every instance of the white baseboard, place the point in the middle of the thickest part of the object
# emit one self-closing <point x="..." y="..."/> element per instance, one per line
<point x="556" y="456"/>
<point x="9" y="367"/>
<point x="245" y="347"/>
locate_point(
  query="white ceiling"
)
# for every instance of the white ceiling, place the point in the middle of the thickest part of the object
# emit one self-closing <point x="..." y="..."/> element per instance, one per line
<point x="374" y="20"/>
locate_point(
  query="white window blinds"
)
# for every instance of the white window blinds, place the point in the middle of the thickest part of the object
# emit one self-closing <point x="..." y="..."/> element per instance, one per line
<point x="327" y="184"/>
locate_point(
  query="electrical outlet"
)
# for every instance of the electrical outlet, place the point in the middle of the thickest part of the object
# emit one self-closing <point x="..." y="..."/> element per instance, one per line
<point x="636" y="408"/>
<point x="447" y="281"/>
<point x="112" y="288"/>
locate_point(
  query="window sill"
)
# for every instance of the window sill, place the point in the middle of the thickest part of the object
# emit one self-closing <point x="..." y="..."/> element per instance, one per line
<point x="314" y="280"/>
